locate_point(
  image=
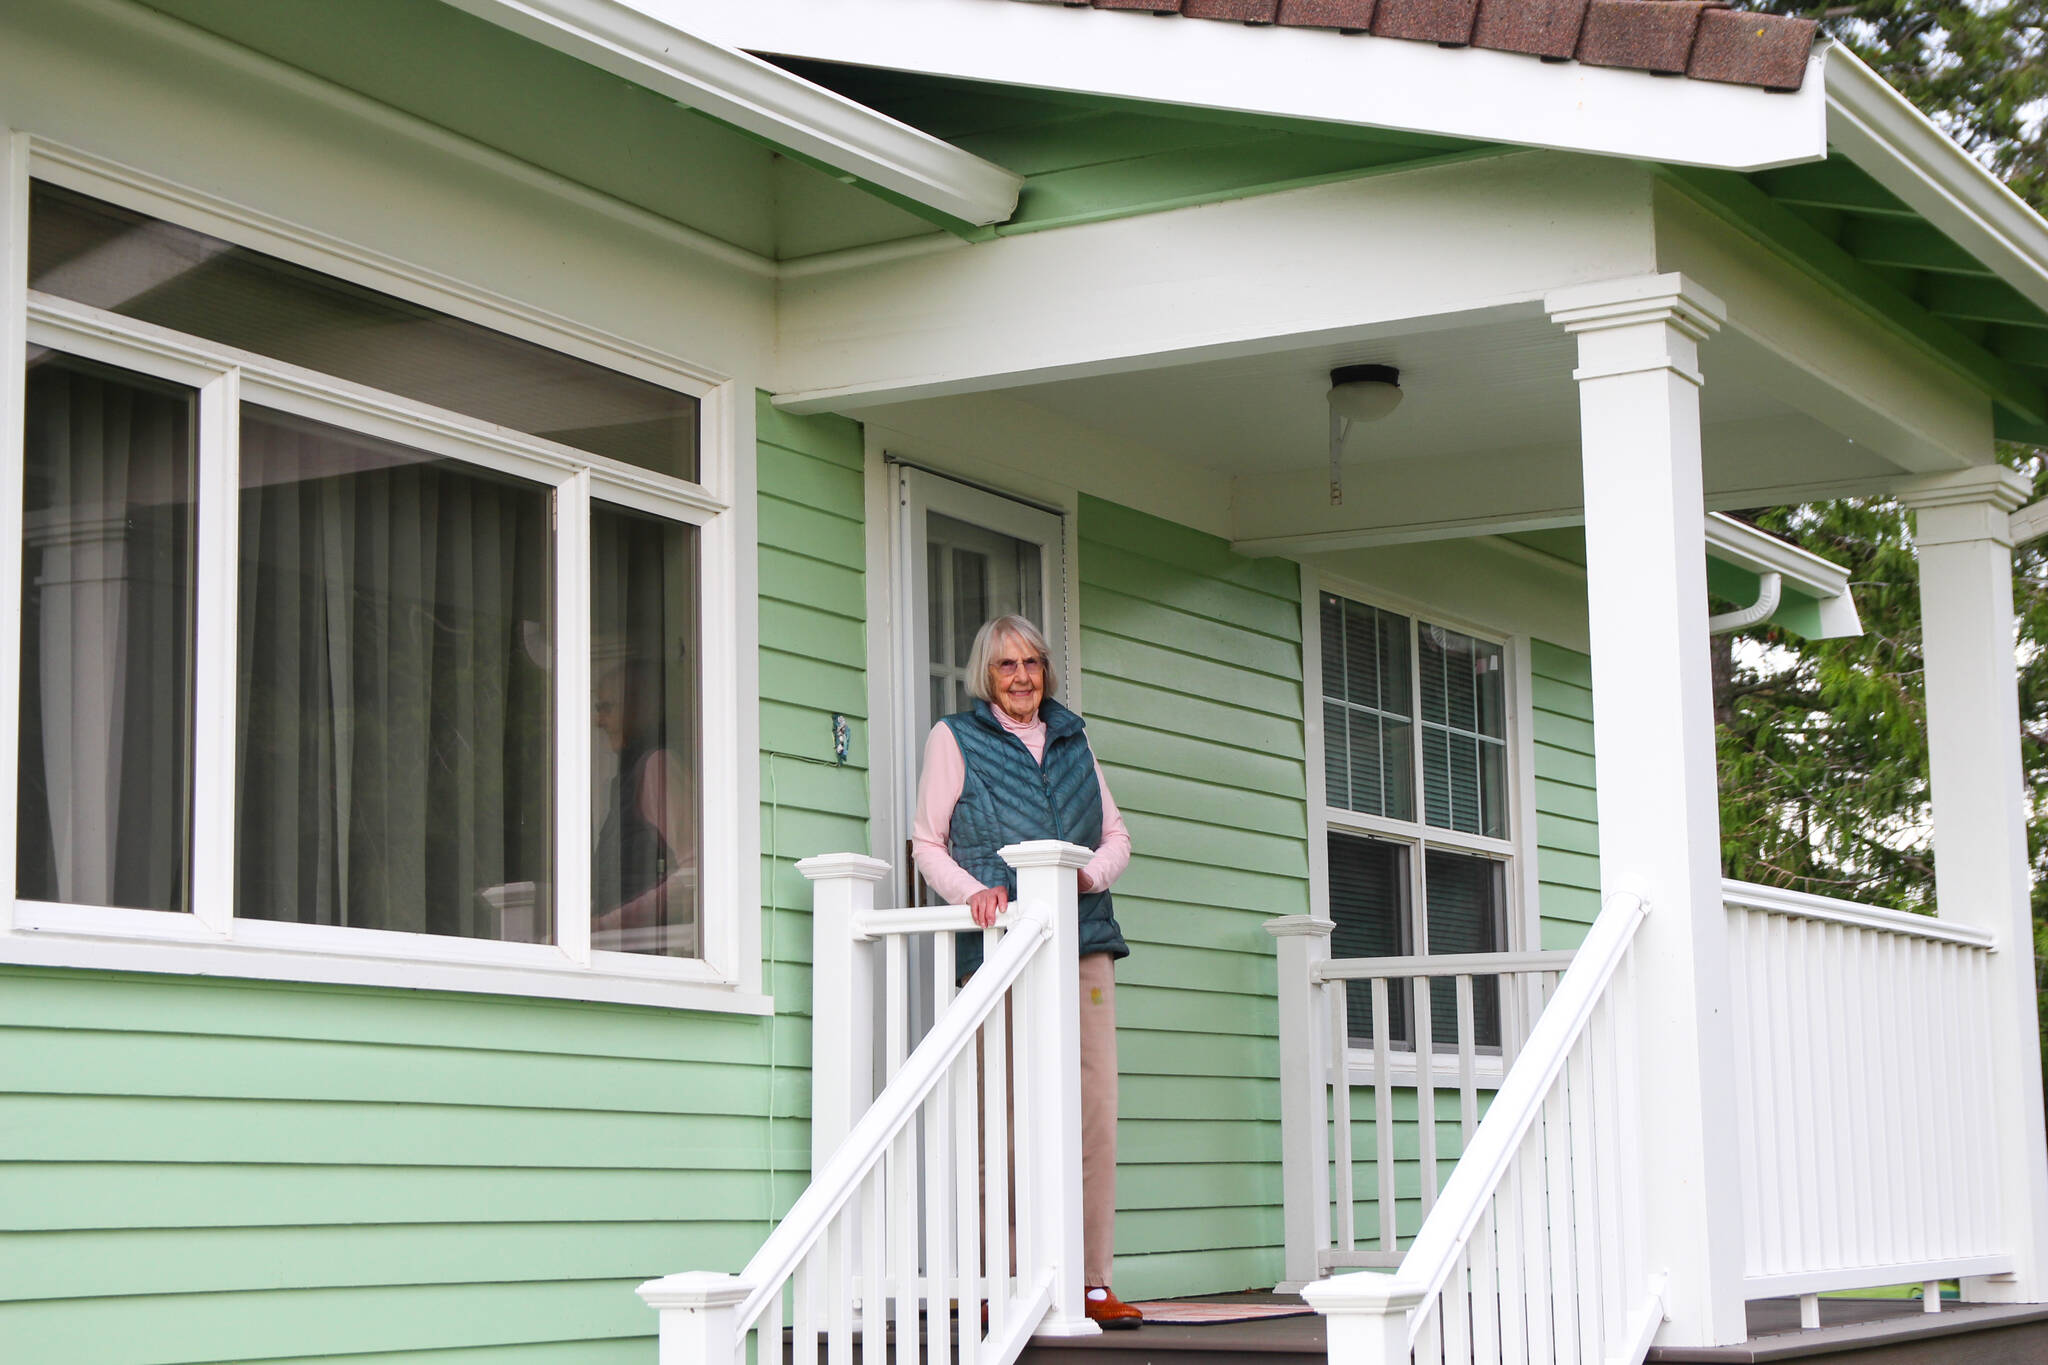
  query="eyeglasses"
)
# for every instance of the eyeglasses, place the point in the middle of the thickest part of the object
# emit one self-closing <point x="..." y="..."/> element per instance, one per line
<point x="1008" y="668"/>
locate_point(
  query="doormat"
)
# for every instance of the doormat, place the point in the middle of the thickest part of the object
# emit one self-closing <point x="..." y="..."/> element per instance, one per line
<point x="1189" y="1313"/>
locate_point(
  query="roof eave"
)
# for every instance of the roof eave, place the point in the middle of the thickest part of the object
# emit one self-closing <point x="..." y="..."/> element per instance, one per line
<point x="1903" y="150"/>
<point x="803" y="118"/>
<point x="1382" y="83"/>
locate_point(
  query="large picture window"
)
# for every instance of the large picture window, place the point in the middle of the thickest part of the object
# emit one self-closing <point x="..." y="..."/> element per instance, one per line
<point x="1416" y="775"/>
<point x="347" y="625"/>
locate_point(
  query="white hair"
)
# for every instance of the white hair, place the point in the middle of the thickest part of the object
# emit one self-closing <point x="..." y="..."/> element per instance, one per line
<point x="989" y="639"/>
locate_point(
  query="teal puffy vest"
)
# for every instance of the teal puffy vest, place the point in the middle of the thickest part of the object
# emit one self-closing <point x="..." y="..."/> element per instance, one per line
<point x="1006" y="798"/>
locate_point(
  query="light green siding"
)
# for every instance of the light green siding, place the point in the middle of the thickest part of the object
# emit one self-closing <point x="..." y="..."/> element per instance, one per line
<point x="1192" y="687"/>
<point x="1567" y="834"/>
<point x="206" y="1170"/>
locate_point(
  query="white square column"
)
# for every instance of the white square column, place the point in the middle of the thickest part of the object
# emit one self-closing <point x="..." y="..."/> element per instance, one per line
<point x="1659" y="803"/>
<point x="1981" y="875"/>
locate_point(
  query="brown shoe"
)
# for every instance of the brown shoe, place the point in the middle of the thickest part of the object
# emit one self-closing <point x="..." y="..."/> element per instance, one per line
<point x="1109" y="1312"/>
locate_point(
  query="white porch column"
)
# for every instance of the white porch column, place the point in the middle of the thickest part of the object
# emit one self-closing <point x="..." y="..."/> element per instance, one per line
<point x="1980" y="822"/>
<point x="1646" y="599"/>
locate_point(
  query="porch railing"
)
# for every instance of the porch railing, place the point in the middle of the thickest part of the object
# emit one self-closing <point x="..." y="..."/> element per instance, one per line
<point x="1534" y="1250"/>
<point x="1864" y="1096"/>
<point x="904" y="1223"/>
<point x="1435" y="1028"/>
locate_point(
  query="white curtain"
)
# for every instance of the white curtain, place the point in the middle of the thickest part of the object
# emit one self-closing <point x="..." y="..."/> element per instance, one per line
<point x="393" y="738"/>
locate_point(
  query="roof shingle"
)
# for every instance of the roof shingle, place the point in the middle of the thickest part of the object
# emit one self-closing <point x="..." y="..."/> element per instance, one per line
<point x="1703" y="39"/>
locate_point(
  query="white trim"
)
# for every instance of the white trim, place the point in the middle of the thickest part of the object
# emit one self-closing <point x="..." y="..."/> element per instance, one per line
<point x="215" y="655"/>
<point x="1773" y="900"/>
<point x="212" y="941"/>
<point x="574" y="691"/>
<point x="1880" y="130"/>
<point x="746" y="92"/>
<point x="1521" y="668"/>
<point x="1867" y="1276"/>
<point x="14" y="194"/>
<point x="1292" y="72"/>
<point x="46" y="939"/>
<point x="103" y="178"/>
<point x="1315" y="768"/>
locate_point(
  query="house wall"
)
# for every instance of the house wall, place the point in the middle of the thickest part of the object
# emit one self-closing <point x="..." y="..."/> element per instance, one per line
<point x="1192" y="664"/>
<point x="200" y="1170"/>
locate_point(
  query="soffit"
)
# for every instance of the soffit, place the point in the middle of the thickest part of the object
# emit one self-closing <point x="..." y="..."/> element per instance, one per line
<point x="1087" y="158"/>
<point x="1505" y="385"/>
<point x="1869" y="246"/>
<point x="550" y="110"/>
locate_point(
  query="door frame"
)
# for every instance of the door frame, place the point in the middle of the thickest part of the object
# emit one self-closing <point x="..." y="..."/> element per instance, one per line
<point x="893" y="754"/>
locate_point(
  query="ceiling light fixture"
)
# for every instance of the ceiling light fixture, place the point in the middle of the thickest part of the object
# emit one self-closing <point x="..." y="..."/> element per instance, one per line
<point x="1358" y="393"/>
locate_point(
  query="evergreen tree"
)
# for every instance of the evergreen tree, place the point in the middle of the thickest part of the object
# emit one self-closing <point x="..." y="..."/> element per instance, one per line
<point x="1823" y="743"/>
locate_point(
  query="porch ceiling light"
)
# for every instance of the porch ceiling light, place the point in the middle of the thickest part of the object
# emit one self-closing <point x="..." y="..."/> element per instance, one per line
<point x="1358" y="393"/>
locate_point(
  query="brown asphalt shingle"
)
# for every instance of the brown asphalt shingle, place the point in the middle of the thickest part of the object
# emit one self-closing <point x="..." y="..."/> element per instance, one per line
<point x="1703" y="39"/>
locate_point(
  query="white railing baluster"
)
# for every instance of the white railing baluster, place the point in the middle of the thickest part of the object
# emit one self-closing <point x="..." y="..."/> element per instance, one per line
<point x="970" y="1176"/>
<point x="1383" y="1157"/>
<point x="1425" y="1092"/>
<point x="1343" y="1171"/>
<point x="1557" y="1183"/>
<point x="1468" y="1068"/>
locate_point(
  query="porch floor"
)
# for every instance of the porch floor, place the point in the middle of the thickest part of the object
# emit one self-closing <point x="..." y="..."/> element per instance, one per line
<point x="1866" y="1331"/>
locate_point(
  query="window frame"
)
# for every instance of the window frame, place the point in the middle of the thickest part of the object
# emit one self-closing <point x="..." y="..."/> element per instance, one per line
<point x="211" y="939"/>
<point x="1516" y="854"/>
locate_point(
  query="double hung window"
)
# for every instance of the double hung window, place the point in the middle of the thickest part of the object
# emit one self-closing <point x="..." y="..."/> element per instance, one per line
<point x="349" y="626"/>
<point x="1415" y="765"/>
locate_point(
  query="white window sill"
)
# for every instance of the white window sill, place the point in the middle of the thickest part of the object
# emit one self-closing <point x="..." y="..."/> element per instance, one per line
<point x="149" y="941"/>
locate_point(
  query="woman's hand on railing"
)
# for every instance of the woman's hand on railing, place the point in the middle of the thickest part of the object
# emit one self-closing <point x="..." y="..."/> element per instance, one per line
<point x="987" y="904"/>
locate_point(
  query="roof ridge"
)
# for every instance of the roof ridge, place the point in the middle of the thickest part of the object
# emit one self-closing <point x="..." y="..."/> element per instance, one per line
<point x="1702" y="39"/>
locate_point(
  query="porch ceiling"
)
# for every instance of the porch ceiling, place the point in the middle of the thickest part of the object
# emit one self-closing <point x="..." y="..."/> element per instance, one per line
<point x="1474" y="396"/>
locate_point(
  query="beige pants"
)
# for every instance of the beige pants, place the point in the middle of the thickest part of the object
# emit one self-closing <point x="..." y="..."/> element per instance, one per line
<point x="1098" y="1120"/>
<point x="1098" y="1117"/>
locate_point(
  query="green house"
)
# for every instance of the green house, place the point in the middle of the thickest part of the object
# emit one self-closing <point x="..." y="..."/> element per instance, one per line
<point x="502" y="482"/>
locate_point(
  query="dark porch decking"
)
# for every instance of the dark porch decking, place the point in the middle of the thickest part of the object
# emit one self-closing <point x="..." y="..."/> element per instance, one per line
<point x="1865" y="1331"/>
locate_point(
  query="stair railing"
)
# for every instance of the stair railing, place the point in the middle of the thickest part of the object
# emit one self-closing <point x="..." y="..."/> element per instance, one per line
<point x="1534" y="1249"/>
<point x="905" y="1221"/>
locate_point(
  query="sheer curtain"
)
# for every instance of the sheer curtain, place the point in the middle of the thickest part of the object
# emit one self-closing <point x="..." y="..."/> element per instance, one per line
<point x="105" y="778"/>
<point x="393" y="766"/>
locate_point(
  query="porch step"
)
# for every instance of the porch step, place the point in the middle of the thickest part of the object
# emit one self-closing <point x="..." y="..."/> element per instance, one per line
<point x="1882" y="1332"/>
<point x="1852" y="1332"/>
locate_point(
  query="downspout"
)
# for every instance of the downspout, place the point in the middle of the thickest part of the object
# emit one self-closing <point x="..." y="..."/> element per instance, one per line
<point x="1768" y="588"/>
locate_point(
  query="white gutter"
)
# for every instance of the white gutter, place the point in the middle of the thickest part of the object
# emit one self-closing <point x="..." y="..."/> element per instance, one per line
<point x="1879" y="129"/>
<point x="764" y="100"/>
<point x="1745" y="547"/>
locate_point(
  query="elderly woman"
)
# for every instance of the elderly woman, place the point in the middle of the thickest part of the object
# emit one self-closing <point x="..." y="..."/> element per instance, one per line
<point x="1018" y="767"/>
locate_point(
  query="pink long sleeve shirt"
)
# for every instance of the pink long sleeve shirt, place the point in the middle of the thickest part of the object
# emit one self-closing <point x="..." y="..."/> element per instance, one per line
<point x="938" y="791"/>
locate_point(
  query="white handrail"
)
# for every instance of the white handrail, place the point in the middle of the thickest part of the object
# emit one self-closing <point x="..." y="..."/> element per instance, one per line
<point x="1441" y="965"/>
<point x="893" y="1109"/>
<point x="1773" y="900"/>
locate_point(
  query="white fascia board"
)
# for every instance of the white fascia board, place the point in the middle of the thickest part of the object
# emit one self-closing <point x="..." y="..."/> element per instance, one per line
<point x="1495" y="97"/>
<point x="658" y="53"/>
<point x="1745" y="547"/>
<point x="1902" y="149"/>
